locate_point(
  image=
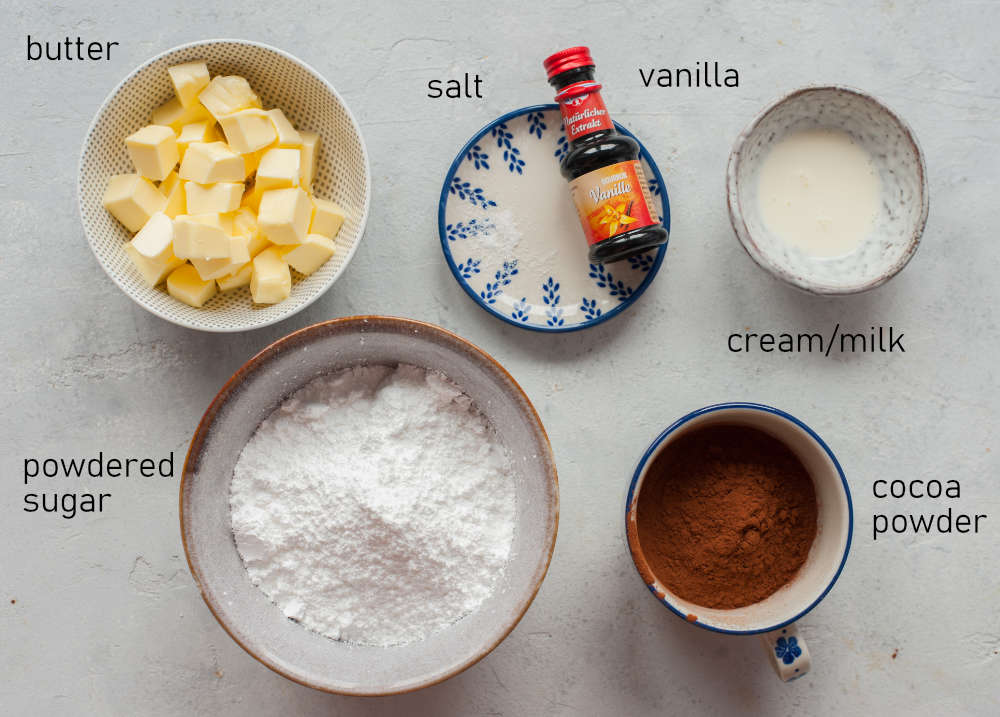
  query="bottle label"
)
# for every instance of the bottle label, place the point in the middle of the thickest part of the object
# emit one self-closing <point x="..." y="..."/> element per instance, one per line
<point x="583" y="110"/>
<point x="613" y="200"/>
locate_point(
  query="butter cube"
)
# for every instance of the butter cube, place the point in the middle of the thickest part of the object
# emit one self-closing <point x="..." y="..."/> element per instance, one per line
<point x="217" y="198"/>
<point x="155" y="239"/>
<point x="226" y="95"/>
<point x="271" y="281"/>
<point x="189" y="79"/>
<point x="201" y="236"/>
<point x="132" y="200"/>
<point x="310" y="255"/>
<point x="251" y="199"/>
<point x="185" y="285"/>
<point x="288" y="136"/>
<point x="310" y="157"/>
<point x="153" y="150"/>
<point x="236" y="279"/>
<point x="218" y="268"/>
<point x="245" y="222"/>
<point x="196" y="132"/>
<point x="327" y="218"/>
<point x="284" y="215"/>
<point x="251" y="161"/>
<point x="279" y="169"/>
<point x="174" y="115"/>
<point x="173" y="189"/>
<point x="152" y="272"/>
<point x="248" y="130"/>
<point x="211" y="162"/>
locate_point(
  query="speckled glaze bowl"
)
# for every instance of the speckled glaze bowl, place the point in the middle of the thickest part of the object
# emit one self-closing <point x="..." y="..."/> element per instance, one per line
<point x="900" y="165"/>
<point x="258" y="625"/>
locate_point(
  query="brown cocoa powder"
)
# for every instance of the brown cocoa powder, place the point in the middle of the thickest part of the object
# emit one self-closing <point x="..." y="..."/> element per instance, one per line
<point x="726" y="516"/>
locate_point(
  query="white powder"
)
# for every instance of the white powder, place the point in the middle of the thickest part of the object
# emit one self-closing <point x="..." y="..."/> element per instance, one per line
<point x="375" y="505"/>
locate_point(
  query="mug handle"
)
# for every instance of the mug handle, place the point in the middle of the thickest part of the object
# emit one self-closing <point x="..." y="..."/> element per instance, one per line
<point x="788" y="652"/>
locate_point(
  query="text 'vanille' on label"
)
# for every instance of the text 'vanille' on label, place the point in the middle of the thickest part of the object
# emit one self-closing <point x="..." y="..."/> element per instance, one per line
<point x="703" y="74"/>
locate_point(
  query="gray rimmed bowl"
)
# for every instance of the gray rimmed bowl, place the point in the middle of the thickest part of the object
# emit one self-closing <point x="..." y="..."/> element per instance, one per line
<point x="258" y="625"/>
<point x="898" y="161"/>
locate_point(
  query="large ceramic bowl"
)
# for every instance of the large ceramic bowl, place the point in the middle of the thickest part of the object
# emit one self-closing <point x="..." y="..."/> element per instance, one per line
<point x="898" y="161"/>
<point x="251" y="395"/>
<point x="281" y="80"/>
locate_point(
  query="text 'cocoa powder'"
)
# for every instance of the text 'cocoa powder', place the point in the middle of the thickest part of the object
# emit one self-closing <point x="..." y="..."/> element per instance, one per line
<point x="726" y="516"/>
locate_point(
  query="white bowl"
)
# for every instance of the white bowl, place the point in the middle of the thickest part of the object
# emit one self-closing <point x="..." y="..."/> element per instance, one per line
<point x="246" y="613"/>
<point x="311" y="103"/>
<point x="898" y="161"/>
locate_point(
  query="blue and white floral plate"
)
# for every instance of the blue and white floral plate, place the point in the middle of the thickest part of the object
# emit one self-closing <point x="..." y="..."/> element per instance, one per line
<point x="512" y="237"/>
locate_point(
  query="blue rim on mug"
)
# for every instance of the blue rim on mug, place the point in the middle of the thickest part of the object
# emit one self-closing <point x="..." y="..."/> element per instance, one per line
<point x="652" y="450"/>
<point x="442" y="233"/>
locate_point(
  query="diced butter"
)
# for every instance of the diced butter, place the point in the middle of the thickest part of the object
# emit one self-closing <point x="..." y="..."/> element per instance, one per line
<point x="196" y="132"/>
<point x="284" y="215"/>
<point x="310" y="255"/>
<point x="245" y="222"/>
<point x="132" y="200"/>
<point x="152" y="272"/>
<point x="288" y="136"/>
<point x="248" y="130"/>
<point x="279" y="169"/>
<point x="239" y="254"/>
<point x="211" y="162"/>
<point x="237" y="278"/>
<point x="153" y="150"/>
<point x="155" y="239"/>
<point x="251" y="161"/>
<point x="173" y="189"/>
<point x="327" y="218"/>
<point x="174" y="115"/>
<point x="271" y="281"/>
<point x="225" y="95"/>
<point x="189" y="79"/>
<point x="217" y="198"/>
<point x="251" y="199"/>
<point x="185" y="285"/>
<point x="310" y="156"/>
<point x="201" y="236"/>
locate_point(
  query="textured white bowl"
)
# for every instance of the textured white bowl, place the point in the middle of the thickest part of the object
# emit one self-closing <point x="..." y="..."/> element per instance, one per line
<point x="311" y="103"/>
<point x="256" y="623"/>
<point x="898" y="161"/>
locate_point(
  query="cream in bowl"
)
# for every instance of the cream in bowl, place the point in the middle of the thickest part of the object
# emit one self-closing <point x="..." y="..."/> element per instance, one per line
<point x="827" y="190"/>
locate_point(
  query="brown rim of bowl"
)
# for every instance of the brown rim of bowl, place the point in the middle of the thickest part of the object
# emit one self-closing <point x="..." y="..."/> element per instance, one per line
<point x="341" y="324"/>
<point x="742" y="231"/>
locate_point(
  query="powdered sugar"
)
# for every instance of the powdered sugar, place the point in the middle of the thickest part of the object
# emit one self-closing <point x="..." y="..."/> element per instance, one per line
<point x="375" y="505"/>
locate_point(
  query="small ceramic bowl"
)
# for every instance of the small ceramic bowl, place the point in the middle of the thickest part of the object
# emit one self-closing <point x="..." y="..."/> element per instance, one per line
<point x="281" y="80"/>
<point x="898" y="161"/>
<point x="256" y="623"/>
<point x="772" y="618"/>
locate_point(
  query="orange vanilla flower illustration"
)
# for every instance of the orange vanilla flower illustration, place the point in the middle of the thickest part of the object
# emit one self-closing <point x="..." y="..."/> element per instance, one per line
<point x="616" y="217"/>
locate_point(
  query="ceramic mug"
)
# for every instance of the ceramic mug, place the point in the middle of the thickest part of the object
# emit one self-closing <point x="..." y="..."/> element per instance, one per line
<point x="773" y="618"/>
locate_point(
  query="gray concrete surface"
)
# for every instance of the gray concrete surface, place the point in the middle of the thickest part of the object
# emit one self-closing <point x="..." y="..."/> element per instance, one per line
<point x="107" y="620"/>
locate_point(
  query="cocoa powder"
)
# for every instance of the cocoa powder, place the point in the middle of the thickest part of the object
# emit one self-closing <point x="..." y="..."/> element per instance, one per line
<point x="726" y="516"/>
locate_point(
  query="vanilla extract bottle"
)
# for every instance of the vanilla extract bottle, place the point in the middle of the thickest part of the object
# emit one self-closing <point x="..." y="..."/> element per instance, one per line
<point x="602" y="165"/>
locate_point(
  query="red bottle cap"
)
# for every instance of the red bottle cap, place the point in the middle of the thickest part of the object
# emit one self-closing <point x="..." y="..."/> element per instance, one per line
<point x="568" y="59"/>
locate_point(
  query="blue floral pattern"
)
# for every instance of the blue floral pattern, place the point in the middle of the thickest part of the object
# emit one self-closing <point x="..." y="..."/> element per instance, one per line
<point x="590" y="309"/>
<point x="643" y="262"/>
<point x="478" y="157"/>
<point x="550" y="295"/>
<point x="616" y="288"/>
<point x="536" y="123"/>
<point x="521" y="310"/>
<point x="502" y="278"/>
<point x="562" y="147"/>
<point x="465" y="191"/>
<point x="469" y="268"/>
<point x="471" y="228"/>
<point x="787" y="649"/>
